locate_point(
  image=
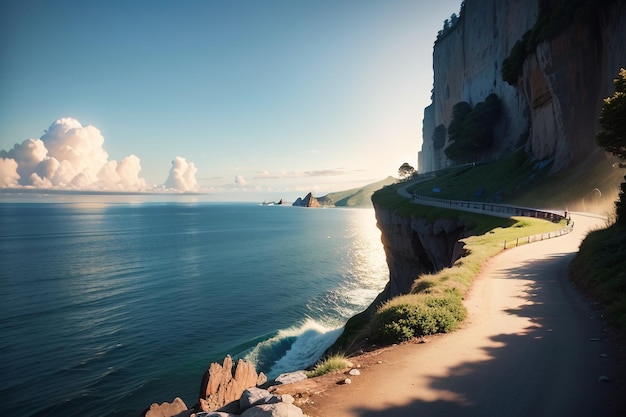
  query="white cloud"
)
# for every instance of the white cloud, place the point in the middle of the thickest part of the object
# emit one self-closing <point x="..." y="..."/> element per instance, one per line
<point x="70" y="156"/>
<point x="182" y="176"/>
<point x="8" y="173"/>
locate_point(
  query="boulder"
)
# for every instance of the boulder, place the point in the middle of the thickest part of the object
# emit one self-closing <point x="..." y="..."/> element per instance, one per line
<point x="256" y="396"/>
<point x="273" y="410"/>
<point x="176" y="408"/>
<point x="287" y="399"/>
<point x="221" y="386"/>
<point x="291" y="377"/>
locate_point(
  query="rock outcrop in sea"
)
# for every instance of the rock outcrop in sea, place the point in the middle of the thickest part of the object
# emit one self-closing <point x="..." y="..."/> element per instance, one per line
<point x="308" y="201"/>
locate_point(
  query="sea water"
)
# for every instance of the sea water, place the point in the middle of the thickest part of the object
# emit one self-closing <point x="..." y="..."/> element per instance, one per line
<point x="106" y="308"/>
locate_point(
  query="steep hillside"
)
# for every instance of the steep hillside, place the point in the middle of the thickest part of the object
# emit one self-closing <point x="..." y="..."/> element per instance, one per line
<point x="358" y="197"/>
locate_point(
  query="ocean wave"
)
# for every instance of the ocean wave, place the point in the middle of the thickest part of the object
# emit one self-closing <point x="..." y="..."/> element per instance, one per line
<point x="294" y="348"/>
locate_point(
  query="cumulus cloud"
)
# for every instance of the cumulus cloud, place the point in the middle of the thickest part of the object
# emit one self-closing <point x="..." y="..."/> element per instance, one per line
<point x="182" y="176"/>
<point x="8" y="173"/>
<point x="70" y="156"/>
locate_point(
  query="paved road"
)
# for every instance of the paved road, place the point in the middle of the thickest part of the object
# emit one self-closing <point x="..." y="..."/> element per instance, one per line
<point x="532" y="346"/>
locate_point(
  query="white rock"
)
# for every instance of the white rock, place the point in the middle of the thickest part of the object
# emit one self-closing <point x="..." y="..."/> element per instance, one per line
<point x="273" y="410"/>
<point x="355" y="372"/>
<point x="347" y="381"/>
<point x="291" y="377"/>
<point x="287" y="399"/>
<point x="254" y="396"/>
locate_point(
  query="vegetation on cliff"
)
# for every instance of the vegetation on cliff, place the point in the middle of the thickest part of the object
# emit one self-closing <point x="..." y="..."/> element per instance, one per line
<point x="471" y="129"/>
<point x="554" y="17"/>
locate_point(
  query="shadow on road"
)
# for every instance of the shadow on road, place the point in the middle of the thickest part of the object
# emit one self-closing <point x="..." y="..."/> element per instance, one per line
<point x="553" y="368"/>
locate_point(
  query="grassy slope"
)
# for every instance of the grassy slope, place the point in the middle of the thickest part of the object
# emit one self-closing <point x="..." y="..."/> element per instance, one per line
<point x="357" y="197"/>
<point x="517" y="182"/>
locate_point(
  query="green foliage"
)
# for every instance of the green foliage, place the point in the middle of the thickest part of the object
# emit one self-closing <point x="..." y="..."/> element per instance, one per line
<point x="330" y="364"/>
<point x="471" y="130"/>
<point x="612" y="134"/>
<point x="599" y="269"/>
<point x="406" y="317"/>
<point x="459" y="113"/>
<point x="406" y="170"/>
<point x="439" y="137"/>
<point x="513" y="64"/>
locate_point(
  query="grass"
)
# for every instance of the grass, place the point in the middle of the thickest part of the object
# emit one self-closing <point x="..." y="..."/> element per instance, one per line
<point x="590" y="185"/>
<point x="599" y="269"/>
<point x="333" y="363"/>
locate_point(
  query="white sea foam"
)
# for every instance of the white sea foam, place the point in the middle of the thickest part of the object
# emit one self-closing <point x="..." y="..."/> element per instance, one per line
<point x="306" y="342"/>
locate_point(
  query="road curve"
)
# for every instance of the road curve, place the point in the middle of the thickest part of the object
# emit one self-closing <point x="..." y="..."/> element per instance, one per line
<point x="532" y="346"/>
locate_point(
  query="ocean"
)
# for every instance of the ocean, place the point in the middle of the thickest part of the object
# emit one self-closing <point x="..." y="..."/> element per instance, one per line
<point x="106" y="308"/>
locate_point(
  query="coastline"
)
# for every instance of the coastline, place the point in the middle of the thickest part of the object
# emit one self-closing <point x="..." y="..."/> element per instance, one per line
<point x="532" y="345"/>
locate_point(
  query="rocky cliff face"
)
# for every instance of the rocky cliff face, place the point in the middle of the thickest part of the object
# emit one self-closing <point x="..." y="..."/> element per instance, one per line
<point x="414" y="247"/>
<point x="308" y="201"/>
<point x="557" y="100"/>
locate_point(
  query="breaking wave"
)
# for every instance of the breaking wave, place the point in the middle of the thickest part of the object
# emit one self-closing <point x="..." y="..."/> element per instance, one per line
<point x="297" y="347"/>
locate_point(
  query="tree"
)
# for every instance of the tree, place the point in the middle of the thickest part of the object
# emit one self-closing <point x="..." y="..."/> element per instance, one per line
<point x="612" y="134"/>
<point x="406" y="170"/>
<point x="439" y="137"/>
<point x="471" y="130"/>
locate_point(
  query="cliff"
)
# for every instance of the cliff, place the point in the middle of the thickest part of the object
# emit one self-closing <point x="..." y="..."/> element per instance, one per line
<point x="414" y="247"/>
<point x="555" y="104"/>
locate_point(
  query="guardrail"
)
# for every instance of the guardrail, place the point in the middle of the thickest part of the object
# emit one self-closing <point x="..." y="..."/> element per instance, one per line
<point x="504" y="210"/>
<point x="539" y="237"/>
<point x="499" y="209"/>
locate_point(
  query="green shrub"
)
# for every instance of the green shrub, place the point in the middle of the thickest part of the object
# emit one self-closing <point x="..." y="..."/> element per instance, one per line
<point x="406" y="317"/>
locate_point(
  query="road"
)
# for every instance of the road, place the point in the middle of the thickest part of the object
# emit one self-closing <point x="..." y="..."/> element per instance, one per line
<point x="532" y="346"/>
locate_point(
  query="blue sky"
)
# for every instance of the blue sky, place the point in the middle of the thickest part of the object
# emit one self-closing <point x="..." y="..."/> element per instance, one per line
<point x="287" y="96"/>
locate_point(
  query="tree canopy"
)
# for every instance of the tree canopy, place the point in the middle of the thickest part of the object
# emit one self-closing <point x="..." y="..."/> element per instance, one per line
<point x="471" y="130"/>
<point x="439" y="137"/>
<point x="406" y="170"/>
<point x="612" y="134"/>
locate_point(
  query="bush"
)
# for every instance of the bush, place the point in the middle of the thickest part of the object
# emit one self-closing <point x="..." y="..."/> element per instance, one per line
<point x="406" y="317"/>
<point x="330" y="364"/>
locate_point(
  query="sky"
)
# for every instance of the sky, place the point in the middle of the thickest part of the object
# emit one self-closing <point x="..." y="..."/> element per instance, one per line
<point x="240" y="99"/>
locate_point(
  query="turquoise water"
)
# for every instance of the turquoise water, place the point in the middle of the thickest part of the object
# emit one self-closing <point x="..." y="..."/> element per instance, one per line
<point x="107" y="308"/>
